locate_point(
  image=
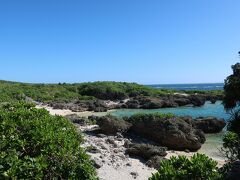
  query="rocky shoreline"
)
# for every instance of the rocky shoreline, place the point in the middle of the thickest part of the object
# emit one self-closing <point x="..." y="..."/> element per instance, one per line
<point x="124" y="151"/>
<point x="165" y="101"/>
<point x="125" y="156"/>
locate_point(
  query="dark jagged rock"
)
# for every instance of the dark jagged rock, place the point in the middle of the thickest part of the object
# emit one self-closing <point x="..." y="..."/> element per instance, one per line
<point x="146" y="151"/>
<point x="209" y="124"/>
<point x="152" y="103"/>
<point x="174" y="133"/>
<point x="112" y="125"/>
<point x="197" y="100"/>
<point x="182" y="101"/>
<point x="132" y="104"/>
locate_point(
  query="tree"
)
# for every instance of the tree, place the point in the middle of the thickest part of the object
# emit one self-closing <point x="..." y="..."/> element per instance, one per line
<point x="231" y="140"/>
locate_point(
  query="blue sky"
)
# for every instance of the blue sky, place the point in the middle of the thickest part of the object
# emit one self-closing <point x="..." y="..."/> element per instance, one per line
<point x="144" y="41"/>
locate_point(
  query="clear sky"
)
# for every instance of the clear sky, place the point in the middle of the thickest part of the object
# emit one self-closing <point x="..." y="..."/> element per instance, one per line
<point x="144" y="41"/>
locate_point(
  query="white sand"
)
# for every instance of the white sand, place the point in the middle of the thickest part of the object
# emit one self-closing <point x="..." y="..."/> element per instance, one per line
<point x="64" y="112"/>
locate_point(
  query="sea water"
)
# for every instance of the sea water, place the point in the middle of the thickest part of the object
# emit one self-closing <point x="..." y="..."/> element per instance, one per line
<point x="200" y="86"/>
<point x="209" y="109"/>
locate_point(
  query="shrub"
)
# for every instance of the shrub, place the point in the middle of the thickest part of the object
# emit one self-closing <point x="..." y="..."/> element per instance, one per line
<point x="36" y="145"/>
<point x="231" y="146"/>
<point x="141" y="117"/>
<point x="198" y="167"/>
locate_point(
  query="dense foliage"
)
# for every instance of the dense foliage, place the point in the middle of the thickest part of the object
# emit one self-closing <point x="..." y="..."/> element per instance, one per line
<point x="198" y="167"/>
<point x="36" y="145"/>
<point x="232" y="88"/>
<point x="231" y="141"/>
<point x="12" y="91"/>
<point x="231" y="146"/>
<point x="141" y="117"/>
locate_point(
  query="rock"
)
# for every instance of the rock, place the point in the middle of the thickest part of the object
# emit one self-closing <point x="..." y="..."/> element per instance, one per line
<point x="197" y="100"/>
<point x="155" y="162"/>
<point x="119" y="135"/>
<point x="129" y="164"/>
<point x="101" y="135"/>
<point x="134" y="174"/>
<point x="172" y="132"/>
<point x="93" y="149"/>
<point x="146" y="151"/>
<point x="234" y="172"/>
<point x="209" y="124"/>
<point x="132" y="104"/>
<point x="58" y="105"/>
<point x="111" y="141"/>
<point x="152" y="103"/>
<point x="182" y="101"/>
<point x="100" y="109"/>
<point x="97" y="163"/>
<point x="112" y="125"/>
<point x="127" y="143"/>
<point x="76" y="119"/>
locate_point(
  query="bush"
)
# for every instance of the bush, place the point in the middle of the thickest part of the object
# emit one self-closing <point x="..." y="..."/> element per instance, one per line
<point x="198" y="167"/>
<point x="141" y="117"/>
<point x="231" y="146"/>
<point x="36" y="145"/>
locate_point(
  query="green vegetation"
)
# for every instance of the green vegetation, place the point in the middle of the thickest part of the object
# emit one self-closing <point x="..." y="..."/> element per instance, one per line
<point x="36" y="145"/>
<point x="232" y="88"/>
<point x="231" y="141"/>
<point x="205" y="92"/>
<point x="198" y="167"/>
<point x="13" y="91"/>
<point x="141" y="117"/>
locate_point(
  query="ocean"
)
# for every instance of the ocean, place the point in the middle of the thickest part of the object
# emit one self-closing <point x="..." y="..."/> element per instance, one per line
<point x="202" y="86"/>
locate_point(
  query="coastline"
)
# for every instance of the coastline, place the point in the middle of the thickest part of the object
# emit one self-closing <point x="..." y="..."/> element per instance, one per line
<point x="110" y="158"/>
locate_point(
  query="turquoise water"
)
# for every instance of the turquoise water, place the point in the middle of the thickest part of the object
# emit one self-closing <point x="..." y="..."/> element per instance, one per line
<point x="213" y="142"/>
<point x="216" y="110"/>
